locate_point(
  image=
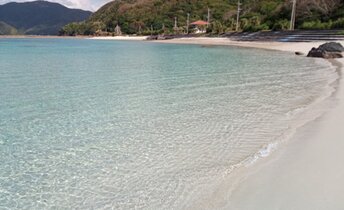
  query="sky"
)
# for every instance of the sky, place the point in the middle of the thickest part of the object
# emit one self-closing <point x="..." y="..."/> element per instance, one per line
<point x="92" y="5"/>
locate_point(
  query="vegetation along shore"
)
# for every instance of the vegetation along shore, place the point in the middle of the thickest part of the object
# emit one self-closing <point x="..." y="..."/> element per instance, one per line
<point x="147" y="17"/>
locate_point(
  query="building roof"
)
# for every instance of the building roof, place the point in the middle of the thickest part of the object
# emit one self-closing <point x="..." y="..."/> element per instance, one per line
<point x="200" y="23"/>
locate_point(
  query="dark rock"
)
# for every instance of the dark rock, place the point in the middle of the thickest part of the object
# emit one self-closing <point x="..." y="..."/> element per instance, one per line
<point x="332" y="47"/>
<point x="328" y="50"/>
<point x="153" y="37"/>
<point x="299" y="53"/>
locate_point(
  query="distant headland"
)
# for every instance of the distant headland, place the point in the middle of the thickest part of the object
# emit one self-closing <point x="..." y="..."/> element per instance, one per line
<point x="37" y="18"/>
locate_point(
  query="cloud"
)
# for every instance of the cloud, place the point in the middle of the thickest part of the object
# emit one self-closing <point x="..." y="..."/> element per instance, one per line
<point x="92" y="5"/>
<point x="85" y="4"/>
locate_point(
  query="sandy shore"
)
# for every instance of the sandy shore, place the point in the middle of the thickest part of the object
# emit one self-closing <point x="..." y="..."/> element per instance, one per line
<point x="41" y="37"/>
<point x="303" y="47"/>
<point x="128" y="38"/>
<point x="304" y="173"/>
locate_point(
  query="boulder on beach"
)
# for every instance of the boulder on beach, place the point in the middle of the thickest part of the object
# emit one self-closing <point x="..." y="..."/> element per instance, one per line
<point x="328" y="50"/>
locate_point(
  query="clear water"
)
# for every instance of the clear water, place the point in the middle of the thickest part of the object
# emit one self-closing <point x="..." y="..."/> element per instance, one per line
<point x="88" y="124"/>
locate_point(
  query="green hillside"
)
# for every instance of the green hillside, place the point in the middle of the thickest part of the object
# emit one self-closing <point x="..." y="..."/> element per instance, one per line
<point x="6" y="29"/>
<point x="140" y="16"/>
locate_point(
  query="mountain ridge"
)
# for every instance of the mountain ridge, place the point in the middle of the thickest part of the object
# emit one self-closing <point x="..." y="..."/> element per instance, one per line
<point x="40" y="17"/>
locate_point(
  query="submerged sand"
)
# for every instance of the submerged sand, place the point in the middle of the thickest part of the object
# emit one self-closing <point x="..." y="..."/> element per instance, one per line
<point x="304" y="173"/>
<point x="307" y="172"/>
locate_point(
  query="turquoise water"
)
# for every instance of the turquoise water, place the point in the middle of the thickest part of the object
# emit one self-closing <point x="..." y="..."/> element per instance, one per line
<point x="89" y="124"/>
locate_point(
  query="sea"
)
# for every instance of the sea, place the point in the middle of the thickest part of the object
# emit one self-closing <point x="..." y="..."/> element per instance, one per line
<point x="103" y="124"/>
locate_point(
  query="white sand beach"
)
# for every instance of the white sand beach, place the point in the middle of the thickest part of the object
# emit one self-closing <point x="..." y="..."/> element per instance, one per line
<point x="124" y="38"/>
<point x="303" y="47"/>
<point x="299" y="167"/>
<point x="306" y="172"/>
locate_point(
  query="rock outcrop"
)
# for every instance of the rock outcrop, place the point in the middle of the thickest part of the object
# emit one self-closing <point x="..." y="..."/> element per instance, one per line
<point x="328" y="50"/>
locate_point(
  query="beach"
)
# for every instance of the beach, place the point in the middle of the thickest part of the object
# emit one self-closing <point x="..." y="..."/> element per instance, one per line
<point x="306" y="172"/>
<point x="303" y="47"/>
<point x="172" y="105"/>
<point x="178" y="127"/>
<point x="120" y="38"/>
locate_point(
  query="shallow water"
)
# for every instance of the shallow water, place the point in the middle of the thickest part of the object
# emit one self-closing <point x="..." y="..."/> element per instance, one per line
<point x="89" y="124"/>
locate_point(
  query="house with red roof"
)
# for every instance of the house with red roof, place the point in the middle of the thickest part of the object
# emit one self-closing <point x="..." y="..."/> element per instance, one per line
<point x="199" y="26"/>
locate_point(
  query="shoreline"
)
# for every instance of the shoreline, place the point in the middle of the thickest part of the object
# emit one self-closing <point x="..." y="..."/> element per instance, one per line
<point x="120" y="38"/>
<point x="41" y="37"/>
<point x="303" y="173"/>
<point x="242" y="187"/>
<point x="302" y="47"/>
<point x="256" y="186"/>
<point x="129" y="38"/>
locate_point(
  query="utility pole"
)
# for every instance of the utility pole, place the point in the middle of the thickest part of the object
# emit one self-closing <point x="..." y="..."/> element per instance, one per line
<point x="238" y="16"/>
<point x="175" y="28"/>
<point x="187" y="24"/>
<point x="208" y="17"/>
<point x="293" y="16"/>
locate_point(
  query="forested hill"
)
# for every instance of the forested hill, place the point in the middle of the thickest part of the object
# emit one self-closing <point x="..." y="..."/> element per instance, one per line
<point x="140" y="16"/>
<point x="37" y="17"/>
